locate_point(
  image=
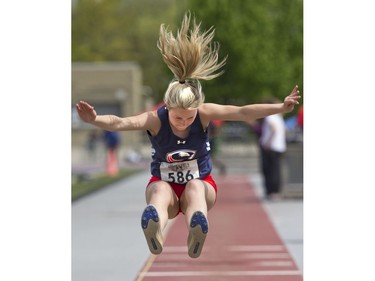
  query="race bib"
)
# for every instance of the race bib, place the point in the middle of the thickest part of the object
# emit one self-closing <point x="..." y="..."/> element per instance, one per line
<point x="179" y="172"/>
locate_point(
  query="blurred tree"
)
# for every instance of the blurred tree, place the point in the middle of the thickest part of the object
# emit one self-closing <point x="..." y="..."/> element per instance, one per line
<point x="264" y="43"/>
<point x="262" y="38"/>
<point x="125" y="30"/>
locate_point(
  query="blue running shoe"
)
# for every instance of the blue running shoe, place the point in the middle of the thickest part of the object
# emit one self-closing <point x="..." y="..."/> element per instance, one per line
<point x="151" y="228"/>
<point x="198" y="230"/>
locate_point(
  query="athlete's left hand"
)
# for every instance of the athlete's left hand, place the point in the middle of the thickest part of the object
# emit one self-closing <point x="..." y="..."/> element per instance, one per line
<point x="291" y="100"/>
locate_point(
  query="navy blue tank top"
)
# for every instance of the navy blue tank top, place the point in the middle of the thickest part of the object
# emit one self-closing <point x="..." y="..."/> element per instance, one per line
<point x="176" y="159"/>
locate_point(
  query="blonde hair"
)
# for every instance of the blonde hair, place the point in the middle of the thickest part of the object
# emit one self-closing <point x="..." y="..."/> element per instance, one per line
<point x="191" y="57"/>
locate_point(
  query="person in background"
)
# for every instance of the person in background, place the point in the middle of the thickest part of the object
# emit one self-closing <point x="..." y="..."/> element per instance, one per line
<point x="181" y="180"/>
<point x="112" y="142"/>
<point x="256" y="128"/>
<point x="272" y="143"/>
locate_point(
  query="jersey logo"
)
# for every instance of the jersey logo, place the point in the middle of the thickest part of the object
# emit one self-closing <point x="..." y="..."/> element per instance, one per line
<point x="208" y="146"/>
<point x="180" y="141"/>
<point x="180" y="155"/>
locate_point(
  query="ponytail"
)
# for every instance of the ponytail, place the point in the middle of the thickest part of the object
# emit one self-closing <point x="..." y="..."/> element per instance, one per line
<point x="191" y="57"/>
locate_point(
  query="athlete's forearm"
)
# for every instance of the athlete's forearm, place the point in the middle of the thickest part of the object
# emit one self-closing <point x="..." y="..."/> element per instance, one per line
<point x="109" y="122"/>
<point x="257" y="111"/>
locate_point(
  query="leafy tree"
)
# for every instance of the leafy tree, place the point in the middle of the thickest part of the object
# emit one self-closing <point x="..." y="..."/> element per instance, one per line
<point x="262" y="38"/>
<point x="124" y="30"/>
<point x="264" y="44"/>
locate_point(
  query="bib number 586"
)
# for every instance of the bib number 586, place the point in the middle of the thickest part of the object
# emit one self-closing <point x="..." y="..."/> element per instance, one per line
<point x="180" y="177"/>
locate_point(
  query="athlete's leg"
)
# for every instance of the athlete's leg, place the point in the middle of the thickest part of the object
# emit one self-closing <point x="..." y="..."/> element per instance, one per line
<point x="198" y="197"/>
<point x="162" y="203"/>
<point x="162" y="197"/>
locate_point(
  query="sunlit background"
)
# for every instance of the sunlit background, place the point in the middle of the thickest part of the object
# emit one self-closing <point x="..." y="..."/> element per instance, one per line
<point x="117" y="67"/>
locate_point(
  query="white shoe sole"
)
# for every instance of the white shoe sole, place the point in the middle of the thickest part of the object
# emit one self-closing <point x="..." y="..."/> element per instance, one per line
<point x="198" y="230"/>
<point x="151" y="228"/>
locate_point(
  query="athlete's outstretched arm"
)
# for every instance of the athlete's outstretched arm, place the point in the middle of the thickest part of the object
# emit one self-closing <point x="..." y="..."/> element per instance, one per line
<point x="144" y="121"/>
<point x="249" y="112"/>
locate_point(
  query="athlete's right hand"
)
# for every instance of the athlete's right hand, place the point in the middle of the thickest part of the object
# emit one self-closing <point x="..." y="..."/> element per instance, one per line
<point x="86" y="112"/>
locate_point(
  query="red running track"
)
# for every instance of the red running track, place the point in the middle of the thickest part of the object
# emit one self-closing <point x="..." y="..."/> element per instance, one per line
<point x="241" y="244"/>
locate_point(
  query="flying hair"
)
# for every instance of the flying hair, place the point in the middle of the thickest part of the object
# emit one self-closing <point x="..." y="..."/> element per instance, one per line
<point x="191" y="56"/>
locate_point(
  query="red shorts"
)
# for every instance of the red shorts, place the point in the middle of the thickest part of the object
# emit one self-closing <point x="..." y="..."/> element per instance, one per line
<point x="179" y="188"/>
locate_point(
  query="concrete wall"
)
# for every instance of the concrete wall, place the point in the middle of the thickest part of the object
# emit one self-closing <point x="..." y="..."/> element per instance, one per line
<point x="107" y="85"/>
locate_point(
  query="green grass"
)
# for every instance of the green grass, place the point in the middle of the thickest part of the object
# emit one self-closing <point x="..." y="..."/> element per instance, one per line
<point x="82" y="187"/>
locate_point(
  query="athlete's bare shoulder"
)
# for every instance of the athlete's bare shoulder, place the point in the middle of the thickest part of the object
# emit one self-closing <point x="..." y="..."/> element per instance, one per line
<point x="207" y="108"/>
<point x="153" y="122"/>
<point x="206" y="111"/>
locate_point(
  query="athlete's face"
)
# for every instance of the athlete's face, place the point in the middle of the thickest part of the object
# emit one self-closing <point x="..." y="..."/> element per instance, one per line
<point x="181" y="118"/>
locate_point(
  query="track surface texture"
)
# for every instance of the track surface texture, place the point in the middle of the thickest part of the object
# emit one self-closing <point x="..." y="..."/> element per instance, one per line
<point x="241" y="244"/>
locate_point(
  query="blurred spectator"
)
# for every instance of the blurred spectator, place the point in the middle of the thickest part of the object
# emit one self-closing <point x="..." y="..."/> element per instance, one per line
<point x="256" y="126"/>
<point x="112" y="142"/>
<point x="213" y="136"/>
<point x="272" y="146"/>
<point x="294" y="126"/>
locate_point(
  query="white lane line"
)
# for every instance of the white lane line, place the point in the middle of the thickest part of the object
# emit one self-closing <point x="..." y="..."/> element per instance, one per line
<point x="151" y="259"/>
<point x="266" y="256"/>
<point x="256" y="248"/>
<point x="260" y="263"/>
<point x="274" y="263"/>
<point x="220" y="273"/>
<point x="244" y="256"/>
<point x="234" y="248"/>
